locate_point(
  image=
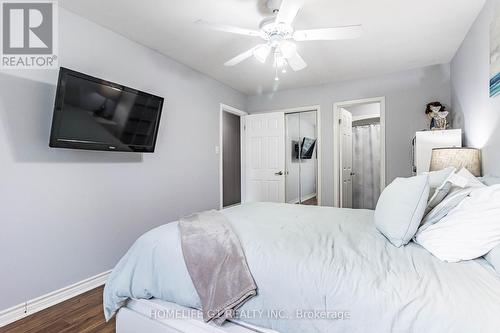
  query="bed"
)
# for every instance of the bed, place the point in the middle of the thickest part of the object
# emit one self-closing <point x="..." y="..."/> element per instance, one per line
<point x="158" y="316"/>
<point x="318" y="269"/>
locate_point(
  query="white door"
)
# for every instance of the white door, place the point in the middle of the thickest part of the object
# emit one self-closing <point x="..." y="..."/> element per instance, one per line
<point x="265" y="157"/>
<point x="346" y="159"/>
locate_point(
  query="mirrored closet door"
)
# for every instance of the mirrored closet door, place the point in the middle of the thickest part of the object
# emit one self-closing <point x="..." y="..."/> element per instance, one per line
<point x="301" y="158"/>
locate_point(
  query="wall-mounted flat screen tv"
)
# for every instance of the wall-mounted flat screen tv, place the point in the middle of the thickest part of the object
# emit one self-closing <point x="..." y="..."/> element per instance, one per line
<point x="95" y="114"/>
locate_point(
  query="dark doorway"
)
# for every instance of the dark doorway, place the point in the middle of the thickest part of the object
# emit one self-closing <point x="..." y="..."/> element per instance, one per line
<point x="231" y="159"/>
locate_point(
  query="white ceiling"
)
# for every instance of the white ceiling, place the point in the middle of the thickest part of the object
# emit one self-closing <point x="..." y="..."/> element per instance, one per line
<point x="398" y="35"/>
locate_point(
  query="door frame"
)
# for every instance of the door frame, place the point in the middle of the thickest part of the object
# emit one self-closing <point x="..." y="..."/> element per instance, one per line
<point x="316" y="108"/>
<point x="227" y="108"/>
<point x="336" y="144"/>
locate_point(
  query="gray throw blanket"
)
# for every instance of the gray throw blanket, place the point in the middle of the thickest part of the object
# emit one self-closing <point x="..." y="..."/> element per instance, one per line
<point x="216" y="264"/>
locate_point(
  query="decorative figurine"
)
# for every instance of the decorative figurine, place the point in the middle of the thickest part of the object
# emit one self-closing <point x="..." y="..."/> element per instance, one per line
<point x="437" y="115"/>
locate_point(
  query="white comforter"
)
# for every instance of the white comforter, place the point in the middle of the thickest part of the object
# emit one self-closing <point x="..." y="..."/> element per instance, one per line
<point x="322" y="270"/>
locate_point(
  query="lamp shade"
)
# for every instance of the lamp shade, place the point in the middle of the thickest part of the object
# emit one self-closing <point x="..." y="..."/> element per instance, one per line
<point x="469" y="158"/>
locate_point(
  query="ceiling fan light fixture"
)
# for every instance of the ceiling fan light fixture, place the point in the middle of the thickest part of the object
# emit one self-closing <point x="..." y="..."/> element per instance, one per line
<point x="288" y="48"/>
<point x="280" y="61"/>
<point x="261" y="53"/>
<point x="281" y="38"/>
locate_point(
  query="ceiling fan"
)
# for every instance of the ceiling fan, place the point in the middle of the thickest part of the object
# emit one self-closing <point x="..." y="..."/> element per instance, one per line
<point x="279" y="36"/>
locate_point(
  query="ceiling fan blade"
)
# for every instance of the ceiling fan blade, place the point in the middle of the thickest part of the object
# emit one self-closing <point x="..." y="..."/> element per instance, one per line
<point x="241" y="57"/>
<point x="288" y="11"/>
<point x="296" y="62"/>
<point x="230" y="29"/>
<point x="349" y="32"/>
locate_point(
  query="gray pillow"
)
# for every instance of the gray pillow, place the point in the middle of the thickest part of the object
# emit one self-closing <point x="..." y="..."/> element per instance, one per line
<point x="454" y="197"/>
<point x="494" y="258"/>
<point x="455" y="181"/>
<point x="439" y="194"/>
<point x="437" y="178"/>
<point x="401" y="207"/>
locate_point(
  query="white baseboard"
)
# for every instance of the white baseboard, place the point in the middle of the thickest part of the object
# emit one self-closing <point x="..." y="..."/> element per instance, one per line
<point x="40" y="303"/>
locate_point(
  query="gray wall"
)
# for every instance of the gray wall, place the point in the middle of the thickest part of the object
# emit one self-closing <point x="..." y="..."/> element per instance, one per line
<point x="407" y="94"/>
<point x="475" y="111"/>
<point x="68" y="215"/>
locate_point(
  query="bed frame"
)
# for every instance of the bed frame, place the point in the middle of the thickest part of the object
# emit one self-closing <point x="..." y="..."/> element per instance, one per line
<point x="130" y="321"/>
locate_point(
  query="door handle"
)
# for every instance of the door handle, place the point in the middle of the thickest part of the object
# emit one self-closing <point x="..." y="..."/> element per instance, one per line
<point x="279" y="173"/>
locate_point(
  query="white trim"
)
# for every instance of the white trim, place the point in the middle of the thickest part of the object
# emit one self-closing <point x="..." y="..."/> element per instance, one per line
<point x="241" y="114"/>
<point x="233" y="110"/>
<point x="292" y="110"/>
<point x="365" y="117"/>
<point x="320" y="157"/>
<point x="316" y="108"/>
<point x="336" y="144"/>
<point x="40" y="303"/>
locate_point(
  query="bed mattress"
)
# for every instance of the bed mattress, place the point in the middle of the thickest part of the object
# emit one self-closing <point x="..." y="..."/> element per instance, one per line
<point x="326" y="270"/>
<point x="184" y="319"/>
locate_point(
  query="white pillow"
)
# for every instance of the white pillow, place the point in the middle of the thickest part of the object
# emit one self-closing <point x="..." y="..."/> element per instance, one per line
<point x="490" y="180"/>
<point x="472" y="181"/>
<point x="401" y="207"/>
<point x="469" y="231"/>
<point x="493" y="257"/>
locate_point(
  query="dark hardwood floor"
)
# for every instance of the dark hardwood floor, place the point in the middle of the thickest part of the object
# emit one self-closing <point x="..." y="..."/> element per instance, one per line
<point x="83" y="313"/>
<point x="311" y="202"/>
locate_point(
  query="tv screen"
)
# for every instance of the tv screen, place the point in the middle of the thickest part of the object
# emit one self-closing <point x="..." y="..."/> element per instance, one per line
<point x="94" y="114"/>
<point x="307" y="150"/>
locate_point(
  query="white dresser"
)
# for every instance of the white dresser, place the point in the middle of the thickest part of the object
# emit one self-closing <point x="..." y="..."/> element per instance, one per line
<point x="425" y="141"/>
